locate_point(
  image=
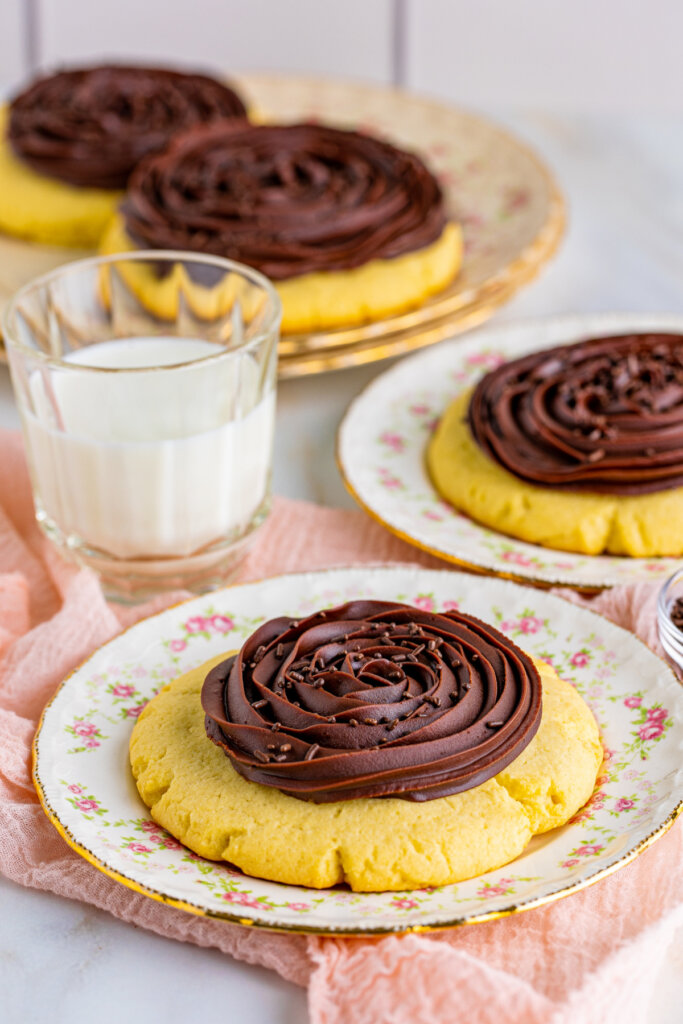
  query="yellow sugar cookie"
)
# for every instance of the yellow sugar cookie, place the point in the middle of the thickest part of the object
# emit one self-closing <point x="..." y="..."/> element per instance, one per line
<point x="323" y="300"/>
<point x="641" y="525"/>
<point x="376" y="844"/>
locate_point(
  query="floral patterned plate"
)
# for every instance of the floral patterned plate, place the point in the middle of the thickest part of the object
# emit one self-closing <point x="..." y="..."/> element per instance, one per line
<point x="382" y="441"/>
<point x="82" y="776"/>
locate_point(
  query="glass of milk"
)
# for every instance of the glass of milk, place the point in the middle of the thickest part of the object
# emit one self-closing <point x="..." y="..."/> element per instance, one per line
<point x="146" y="387"/>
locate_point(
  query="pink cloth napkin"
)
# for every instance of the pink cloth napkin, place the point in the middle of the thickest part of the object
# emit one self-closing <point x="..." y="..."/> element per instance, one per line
<point x="589" y="959"/>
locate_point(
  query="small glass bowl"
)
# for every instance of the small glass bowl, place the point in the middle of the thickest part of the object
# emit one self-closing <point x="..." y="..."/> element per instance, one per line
<point x="670" y="635"/>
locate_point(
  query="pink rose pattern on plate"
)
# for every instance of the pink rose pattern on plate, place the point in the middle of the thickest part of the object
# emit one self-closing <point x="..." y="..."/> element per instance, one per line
<point x="626" y="793"/>
<point x="87" y="735"/>
<point x="83" y="801"/>
<point x="122" y="692"/>
<point x="650" y="724"/>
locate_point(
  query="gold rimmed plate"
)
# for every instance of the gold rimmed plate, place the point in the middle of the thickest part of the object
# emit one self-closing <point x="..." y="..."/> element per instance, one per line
<point x="383" y="437"/>
<point x="506" y="199"/>
<point x="84" y="783"/>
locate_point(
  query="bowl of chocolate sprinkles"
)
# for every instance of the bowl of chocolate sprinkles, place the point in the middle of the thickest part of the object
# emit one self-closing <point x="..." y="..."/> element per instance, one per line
<point x="670" y="617"/>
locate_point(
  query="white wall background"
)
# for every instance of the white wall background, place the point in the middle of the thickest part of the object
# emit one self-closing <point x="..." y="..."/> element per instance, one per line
<point x="582" y="56"/>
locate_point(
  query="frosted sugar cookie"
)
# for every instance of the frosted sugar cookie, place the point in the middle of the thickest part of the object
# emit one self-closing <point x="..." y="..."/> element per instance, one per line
<point x="577" y="448"/>
<point x="372" y="744"/>
<point x="348" y="227"/>
<point x="70" y="141"/>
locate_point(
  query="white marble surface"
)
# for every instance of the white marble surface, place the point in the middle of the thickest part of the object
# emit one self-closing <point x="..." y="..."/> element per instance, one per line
<point x="624" y="250"/>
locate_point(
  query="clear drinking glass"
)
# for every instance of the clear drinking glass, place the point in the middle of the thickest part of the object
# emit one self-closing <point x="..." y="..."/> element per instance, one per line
<point x="146" y="387"/>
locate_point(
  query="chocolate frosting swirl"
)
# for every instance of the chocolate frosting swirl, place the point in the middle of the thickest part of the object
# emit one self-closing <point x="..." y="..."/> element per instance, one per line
<point x="603" y="415"/>
<point x="285" y="199"/>
<point x="91" y="126"/>
<point x="373" y="699"/>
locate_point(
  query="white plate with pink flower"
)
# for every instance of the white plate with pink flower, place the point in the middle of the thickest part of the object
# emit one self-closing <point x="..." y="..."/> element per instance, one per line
<point x="382" y="442"/>
<point x="82" y="775"/>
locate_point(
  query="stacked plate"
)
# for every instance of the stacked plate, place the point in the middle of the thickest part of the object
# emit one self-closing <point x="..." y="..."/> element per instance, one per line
<point x="507" y="201"/>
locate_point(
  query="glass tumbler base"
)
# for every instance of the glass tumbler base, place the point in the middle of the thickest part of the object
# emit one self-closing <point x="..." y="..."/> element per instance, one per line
<point x="131" y="580"/>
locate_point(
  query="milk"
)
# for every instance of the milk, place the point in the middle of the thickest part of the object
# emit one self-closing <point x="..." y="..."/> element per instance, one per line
<point x="151" y="463"/>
